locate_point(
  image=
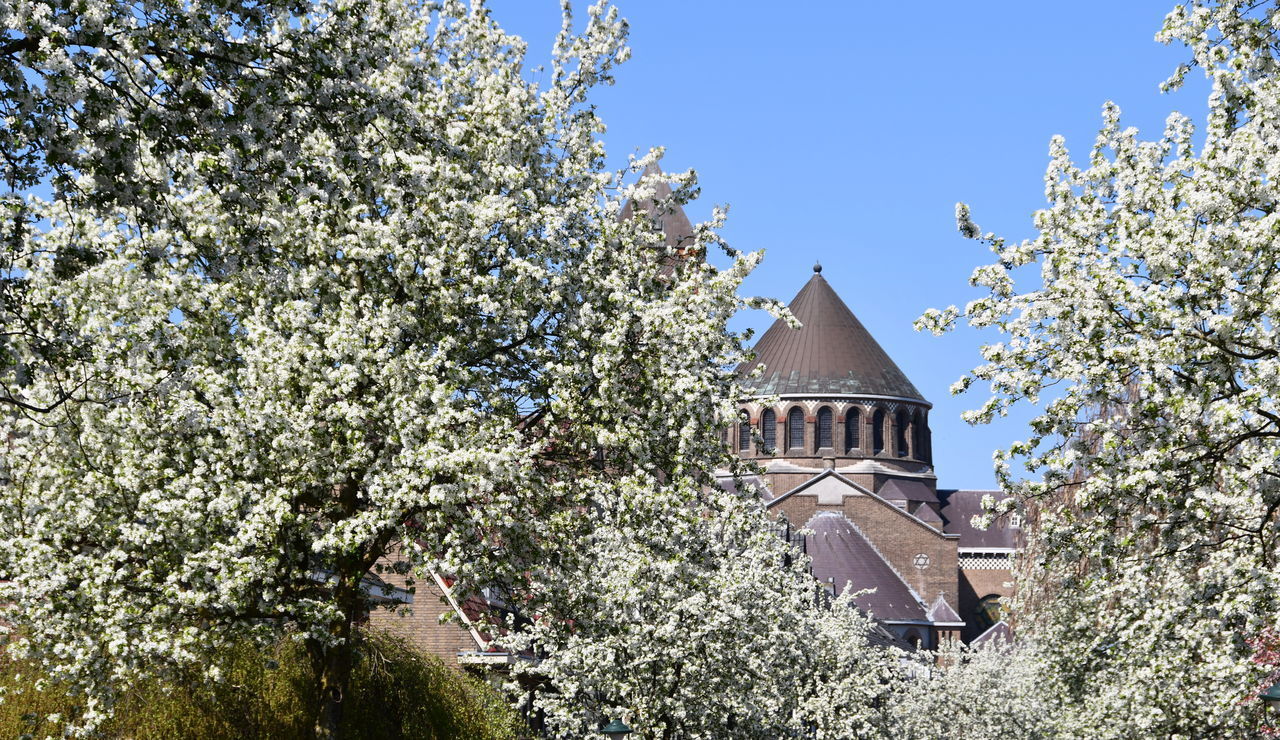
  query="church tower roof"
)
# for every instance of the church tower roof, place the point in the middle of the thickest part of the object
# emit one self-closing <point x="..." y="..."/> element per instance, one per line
<point x="675" y="225"/>
<point x="832" y="353"/>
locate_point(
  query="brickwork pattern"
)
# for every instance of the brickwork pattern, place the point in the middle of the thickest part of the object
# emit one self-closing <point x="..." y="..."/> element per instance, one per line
<point x="895" y="535"/>
<point x="421" y="624"/>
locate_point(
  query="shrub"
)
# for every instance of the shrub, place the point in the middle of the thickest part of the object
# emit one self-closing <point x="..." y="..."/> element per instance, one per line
<point x="397" y="692"/>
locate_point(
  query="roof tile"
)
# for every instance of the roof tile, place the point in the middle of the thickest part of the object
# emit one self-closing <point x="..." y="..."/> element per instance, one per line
<point x="841" y="555"/>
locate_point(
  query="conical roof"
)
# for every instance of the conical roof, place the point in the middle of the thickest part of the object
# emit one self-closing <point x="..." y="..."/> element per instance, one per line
<point x="831" y="353"/>
<point x="674" y="223"/>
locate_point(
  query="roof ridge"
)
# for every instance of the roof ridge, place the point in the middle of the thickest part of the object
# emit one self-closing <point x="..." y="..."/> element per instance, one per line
<point x="941" y="611"/>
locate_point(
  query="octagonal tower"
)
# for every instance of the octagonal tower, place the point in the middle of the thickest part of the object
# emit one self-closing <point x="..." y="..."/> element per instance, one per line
<point x="841" y="402"/>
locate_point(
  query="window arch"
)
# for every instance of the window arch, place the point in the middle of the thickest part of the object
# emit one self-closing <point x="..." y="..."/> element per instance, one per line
<point x="744" y="431"/>
<point x="823" y="433"/>
<point x="769" y="430"/>
<point x="918" y="443"/>
<point x="901" y="435"/>
<point x="877" y="432"/>
<point x="989" y="611"/>
<point x="852" y="430"/>
<point x="795" y="428"/>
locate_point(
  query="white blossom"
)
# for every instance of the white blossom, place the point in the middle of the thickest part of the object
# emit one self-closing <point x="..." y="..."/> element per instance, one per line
<point x="314" y="283"/>
<point x="1154" y="321"/>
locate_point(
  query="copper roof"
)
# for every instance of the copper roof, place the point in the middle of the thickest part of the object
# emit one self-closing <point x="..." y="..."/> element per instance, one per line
<point x="831" y="353"/>
<point x="675" y="225"/>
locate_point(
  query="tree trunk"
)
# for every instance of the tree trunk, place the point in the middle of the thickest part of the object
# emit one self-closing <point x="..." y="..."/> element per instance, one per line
<point x="333" y="662"/>
<point x="334" y="680"/>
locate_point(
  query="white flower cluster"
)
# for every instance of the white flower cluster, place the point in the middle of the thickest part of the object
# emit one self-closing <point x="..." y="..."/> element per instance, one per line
<point x="702" y="624"/>
<point x="316" y="282"/>
<point x="1155" y="321"/>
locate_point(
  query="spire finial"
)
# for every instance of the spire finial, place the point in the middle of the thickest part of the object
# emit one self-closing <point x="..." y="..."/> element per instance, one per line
<point x="817" y="268"/>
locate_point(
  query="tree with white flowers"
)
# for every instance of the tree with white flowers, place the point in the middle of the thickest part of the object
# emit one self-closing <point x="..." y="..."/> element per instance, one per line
<point x="703" y="622"/>
<point x="290" y="286"/>
<point x="1159" y="304"/>
<point x="999" y="691"/>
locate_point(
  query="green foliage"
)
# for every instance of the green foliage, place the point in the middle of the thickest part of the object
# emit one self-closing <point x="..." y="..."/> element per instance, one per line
<point x="396" y="692"/>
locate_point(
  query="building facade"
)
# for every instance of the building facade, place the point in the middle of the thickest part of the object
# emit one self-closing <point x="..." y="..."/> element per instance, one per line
<point x="843" y="442"/>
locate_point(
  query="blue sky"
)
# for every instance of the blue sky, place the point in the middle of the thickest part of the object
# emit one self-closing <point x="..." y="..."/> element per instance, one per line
<point x="846" y="131"/>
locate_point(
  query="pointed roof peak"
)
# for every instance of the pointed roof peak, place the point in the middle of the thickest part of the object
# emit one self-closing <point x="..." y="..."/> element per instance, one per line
<point x="832" y="352"/>
<point x="941" y="611"/>
<point x="675" y="225"/>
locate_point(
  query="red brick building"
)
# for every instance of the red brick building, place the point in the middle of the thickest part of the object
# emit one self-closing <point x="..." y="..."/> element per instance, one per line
<point x="847" y="458"/>
<point x="843" y="439"/>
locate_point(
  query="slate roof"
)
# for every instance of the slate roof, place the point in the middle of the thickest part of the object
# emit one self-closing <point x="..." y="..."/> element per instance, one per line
<point x="749" y="482"/>
<point x="958" y="510"/>
<point x="842" y="554"/>
<point x="997" y="635"/>
<point x="896" y="489"/>
<point x="941" y="611"/>
<point x="831" y="353"/>
<point x="926" y="514"/>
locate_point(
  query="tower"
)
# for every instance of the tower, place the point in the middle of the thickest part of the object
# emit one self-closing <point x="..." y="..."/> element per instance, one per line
<point x="842" y="437"/>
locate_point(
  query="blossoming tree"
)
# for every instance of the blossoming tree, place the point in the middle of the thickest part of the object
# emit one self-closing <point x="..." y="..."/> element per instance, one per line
<point x="1156" y="303"/>
<point x="290" y="286"/>
<point x="703" y="622"/>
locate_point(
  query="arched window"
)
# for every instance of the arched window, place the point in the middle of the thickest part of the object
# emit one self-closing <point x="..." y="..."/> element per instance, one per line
<point x="902" y="436"/>
<point x="824" y="428"/>
<point x="795" y="429"/>
<point x="989" y="611"/>
<point x="877" y="432"/>
<point x="852" y="430"/>
<point x="744" y="431"/>
<point x="918" y="443"/>
<point x="769" y="430"/>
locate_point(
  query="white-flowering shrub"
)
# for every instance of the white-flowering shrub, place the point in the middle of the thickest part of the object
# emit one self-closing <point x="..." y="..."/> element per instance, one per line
<point x="704" y="625"/>
<point x="998" y="692"/>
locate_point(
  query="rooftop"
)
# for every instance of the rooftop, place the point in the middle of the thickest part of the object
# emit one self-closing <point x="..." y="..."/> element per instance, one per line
<point x="841" y="555"/>
<point x="831" y="353"/>
<point x="958" y="510"/>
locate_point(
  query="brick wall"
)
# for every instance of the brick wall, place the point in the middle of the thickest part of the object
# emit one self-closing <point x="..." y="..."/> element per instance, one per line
<point x="974" y="586"/>
<point x="421" y="625"/>
<point x="898" y="537"/>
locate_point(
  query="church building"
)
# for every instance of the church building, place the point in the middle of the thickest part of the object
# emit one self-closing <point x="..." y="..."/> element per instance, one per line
<point x="842" y="437"/>
<point x="846" y="460"/>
